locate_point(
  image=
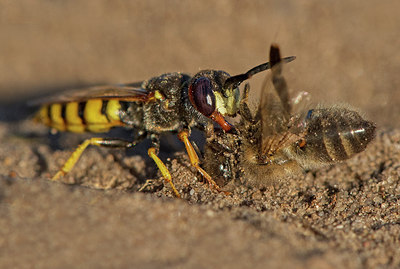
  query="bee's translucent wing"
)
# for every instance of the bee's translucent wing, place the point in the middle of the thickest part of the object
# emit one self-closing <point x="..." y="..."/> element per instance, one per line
<point x="275" y="108"/>
<point x="278" y="79"/>
<point x="274" y="117"/>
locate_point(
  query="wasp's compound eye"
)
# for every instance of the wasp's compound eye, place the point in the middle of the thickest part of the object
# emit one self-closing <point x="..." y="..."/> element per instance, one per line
<point x="202" y="97"/>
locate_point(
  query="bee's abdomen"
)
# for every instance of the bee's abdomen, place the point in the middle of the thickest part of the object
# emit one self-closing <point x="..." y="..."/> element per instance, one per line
<point x="94" y="115"/>
<point x="336" y="134"/>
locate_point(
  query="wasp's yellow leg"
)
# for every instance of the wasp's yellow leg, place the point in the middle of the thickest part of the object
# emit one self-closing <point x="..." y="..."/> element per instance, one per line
<point x="164" y="170"/>
<point x="95" y="141"/>
<point x="194" y="159"/>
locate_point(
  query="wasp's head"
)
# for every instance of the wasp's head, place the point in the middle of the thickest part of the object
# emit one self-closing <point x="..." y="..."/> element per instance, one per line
<point x="209" y="97"/>
<point x="215" y="94"/>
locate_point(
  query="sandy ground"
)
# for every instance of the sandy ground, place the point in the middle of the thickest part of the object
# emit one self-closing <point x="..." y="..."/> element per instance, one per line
<point x="344" y="216"/>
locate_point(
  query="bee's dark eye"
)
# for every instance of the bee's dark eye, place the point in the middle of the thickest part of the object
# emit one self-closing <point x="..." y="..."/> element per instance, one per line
<point x="309" y="114"/>
<point x="202" y="96"/>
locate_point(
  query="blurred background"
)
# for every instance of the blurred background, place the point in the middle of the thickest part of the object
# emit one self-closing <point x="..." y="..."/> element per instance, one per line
<point x="347" y="51"/>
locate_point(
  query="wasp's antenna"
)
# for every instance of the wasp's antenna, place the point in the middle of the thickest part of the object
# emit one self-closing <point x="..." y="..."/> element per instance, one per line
<point x="235" y="81"/>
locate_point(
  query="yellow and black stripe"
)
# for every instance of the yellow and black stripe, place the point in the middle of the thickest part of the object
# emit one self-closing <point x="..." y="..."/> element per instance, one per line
<point x="94" y="115"/>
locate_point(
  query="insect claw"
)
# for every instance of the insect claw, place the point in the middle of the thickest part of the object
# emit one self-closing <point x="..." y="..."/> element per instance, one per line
<point x="163" y="169"/>
<point x="58" y="175"/>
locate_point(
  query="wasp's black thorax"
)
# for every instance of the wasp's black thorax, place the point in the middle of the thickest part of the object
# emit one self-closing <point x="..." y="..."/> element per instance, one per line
<point x="164" y="115"/>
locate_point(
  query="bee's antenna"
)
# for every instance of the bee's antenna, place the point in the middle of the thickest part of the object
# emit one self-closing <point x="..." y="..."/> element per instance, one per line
<point x="235" y="81"/>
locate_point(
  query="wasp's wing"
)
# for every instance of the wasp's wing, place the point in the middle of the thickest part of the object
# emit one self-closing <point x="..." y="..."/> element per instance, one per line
<point x="275" y="108"/>
<point x="125" y="92"/>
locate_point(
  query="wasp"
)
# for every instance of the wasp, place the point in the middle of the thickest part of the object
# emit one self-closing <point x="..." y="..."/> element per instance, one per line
<point x="172" y="102"/>
<point x="276" y="142"/>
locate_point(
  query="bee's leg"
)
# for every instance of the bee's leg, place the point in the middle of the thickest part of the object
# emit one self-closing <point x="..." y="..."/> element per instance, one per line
<point x="96" y="141"/>
<point x="194" y="159"/>
<point x="244" y="105"/>
<point x="209" y="130"/>
<point x="153" y="151"/>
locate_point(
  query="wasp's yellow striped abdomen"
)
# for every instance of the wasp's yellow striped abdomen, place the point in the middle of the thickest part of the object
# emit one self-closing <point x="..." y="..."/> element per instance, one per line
<point x="93" y="115"/>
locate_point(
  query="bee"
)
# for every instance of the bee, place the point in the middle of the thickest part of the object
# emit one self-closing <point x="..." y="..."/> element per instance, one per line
<point x="172" y="102"/>
<point x="278" y="143"/>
